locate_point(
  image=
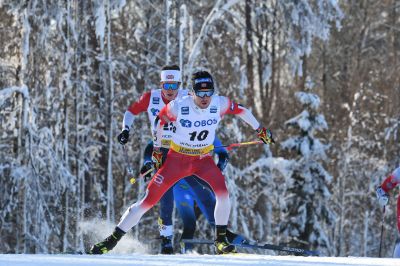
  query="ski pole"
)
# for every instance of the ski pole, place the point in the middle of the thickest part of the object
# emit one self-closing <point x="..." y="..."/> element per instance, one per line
<point x="129" y="169"/>
<point x="240" y="144"/>
<point x="128" y="166"/>
<point x="255" y="246"/>
<point x="133" y="180"/>
<point x="383" y="221"/>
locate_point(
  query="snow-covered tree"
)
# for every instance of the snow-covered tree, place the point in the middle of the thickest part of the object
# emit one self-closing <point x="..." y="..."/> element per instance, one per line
<point x="307" y="212"/>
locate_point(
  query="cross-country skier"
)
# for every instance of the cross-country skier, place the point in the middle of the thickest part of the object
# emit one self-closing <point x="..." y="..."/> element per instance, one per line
<point x="383" y="197"/>
<point x="152" y="102"/>
<point x="191" y="190"/>
<point x="197" y="117"/>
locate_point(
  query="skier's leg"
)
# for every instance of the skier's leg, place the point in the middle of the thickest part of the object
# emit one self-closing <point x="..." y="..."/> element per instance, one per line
<point x="165" y="222"/>
<point x="166" y="209"/>
<point x="206" y="169"/>
<point x="204" y="197"/>
<point x="210" y="173"/>
<point x="164" y="178"/>
<point x="129" y="219"/>
<point x="185" y="205"/>
<point x="165" y="219"/>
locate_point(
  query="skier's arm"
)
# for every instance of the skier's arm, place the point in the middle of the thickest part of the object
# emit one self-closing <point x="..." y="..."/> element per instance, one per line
<point x="135" y="109"/>
<point x="223" y="156"/>
<point x="230" y="107"/>
<point x="391" y="181"/>
<point x="167" y="114"/>
<point x="147" y="162"/>
<point x="148" y="151"/>
<point x="382" y="192"/>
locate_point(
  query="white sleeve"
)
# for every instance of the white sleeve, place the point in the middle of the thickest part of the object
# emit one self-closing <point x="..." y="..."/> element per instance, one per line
<point x="229" y="107"/>
<point x="396" y="175"/>
<point x="128" y="120"/>
<point x="173" y="109"/>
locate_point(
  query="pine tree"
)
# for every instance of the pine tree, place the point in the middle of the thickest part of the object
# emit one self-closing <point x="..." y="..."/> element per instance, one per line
<point x="307" y="209"/>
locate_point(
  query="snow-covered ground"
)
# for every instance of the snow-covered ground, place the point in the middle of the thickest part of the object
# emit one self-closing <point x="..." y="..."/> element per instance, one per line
<point x="225" y="260"/>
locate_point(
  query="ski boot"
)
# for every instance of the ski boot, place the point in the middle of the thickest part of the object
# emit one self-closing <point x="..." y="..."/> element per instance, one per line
<point x="107" y="244"/>
<point x="222" y="246"/>
<point x="166" y="245"/>
<point x="235" y="238"/>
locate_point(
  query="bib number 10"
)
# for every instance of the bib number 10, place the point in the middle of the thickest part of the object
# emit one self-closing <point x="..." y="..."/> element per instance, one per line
<point x="201" y="136"/>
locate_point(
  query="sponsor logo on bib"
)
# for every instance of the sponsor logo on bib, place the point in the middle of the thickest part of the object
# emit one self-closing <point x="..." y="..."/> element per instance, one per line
<point x="185" y="110"/>
<point x="156" y="100"/>
<point x="154" y="111"/>
<point x="198" y="123"/>
<point x="213" y="109"/>
<point x="185" y="123"/>
<point x="204" y="123"/>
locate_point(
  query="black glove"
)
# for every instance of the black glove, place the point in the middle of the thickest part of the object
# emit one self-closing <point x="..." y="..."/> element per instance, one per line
<point x="145" y="168"/>
<point x="222" y="162"/>
<point x="123" y="137"/>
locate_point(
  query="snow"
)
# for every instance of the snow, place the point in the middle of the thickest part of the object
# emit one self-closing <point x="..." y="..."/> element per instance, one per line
<point x="192" y="259"/>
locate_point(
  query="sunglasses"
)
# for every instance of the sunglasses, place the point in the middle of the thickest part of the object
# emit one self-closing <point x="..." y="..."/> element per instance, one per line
<point x="170" y="86"/>
<point x="202" y="94"/>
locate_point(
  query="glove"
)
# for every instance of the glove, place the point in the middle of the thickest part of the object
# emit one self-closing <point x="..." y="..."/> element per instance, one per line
<point x="123" y="137"/>
<point x="145" y="168"/>
<point x="265" y="135"/>
<point x="222" y="162"/>
<point x="383" y="197"/>
<point x="157" y="157"/>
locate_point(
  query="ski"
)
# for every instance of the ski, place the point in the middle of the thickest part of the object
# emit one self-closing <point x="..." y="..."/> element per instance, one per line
<point x="73" y="253"/>
<point x="298" y="251"/>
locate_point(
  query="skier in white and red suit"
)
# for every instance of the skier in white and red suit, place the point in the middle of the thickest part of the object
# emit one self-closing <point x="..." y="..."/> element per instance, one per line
<point x="197" y="117"/>
<point x="382" y="192"/>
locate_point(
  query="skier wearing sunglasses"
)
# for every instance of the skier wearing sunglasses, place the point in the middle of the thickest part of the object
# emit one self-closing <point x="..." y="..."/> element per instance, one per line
<point x="152" y="102"/>
<point x="197" y="117"/>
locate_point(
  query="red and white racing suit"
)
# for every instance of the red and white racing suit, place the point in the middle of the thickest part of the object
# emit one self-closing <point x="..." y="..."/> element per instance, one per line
<point x="152" y="102"/>
<point x="189" y="154"/>
<point x="390" y="183"/>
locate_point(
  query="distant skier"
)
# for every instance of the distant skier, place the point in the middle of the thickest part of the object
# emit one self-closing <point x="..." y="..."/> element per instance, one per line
<point x="383" y="197"/>
<point x="197" y="117"/>
<point x="191" y="190"/>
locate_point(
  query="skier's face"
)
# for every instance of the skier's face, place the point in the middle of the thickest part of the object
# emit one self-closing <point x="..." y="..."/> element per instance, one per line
<point x="170" y="90"/>
<point x="202" y="98"/>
